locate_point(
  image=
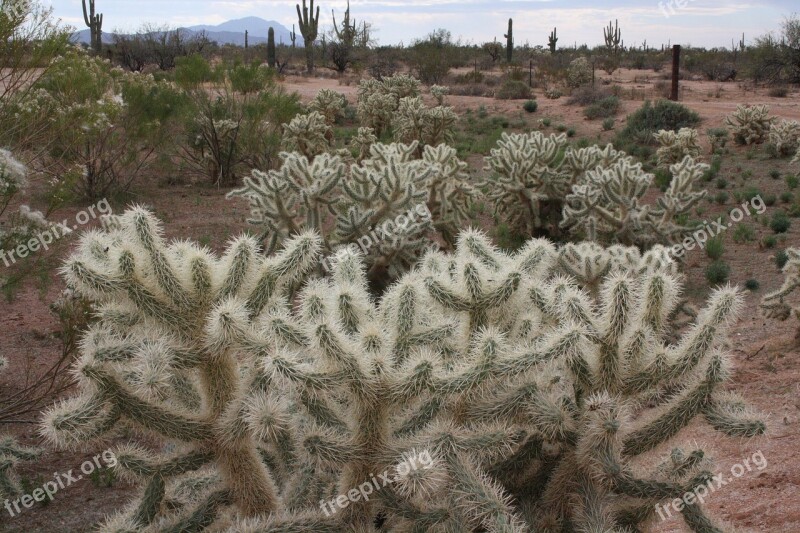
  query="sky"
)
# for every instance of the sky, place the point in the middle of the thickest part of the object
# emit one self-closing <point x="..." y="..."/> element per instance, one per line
<point x="706" y="23"/>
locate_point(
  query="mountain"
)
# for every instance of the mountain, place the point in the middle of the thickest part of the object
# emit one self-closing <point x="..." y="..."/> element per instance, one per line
<point x="231" y="32"/>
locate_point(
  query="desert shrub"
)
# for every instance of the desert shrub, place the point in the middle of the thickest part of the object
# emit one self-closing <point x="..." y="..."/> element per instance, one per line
<point x="605" y="108"/>
<point x="778" y="92"/>
<point x="531" y="106"/>
<point x="718" y="272"/>
<point x="750" y="124"/>
<point x="780" y="222"/>
<point x="262" y="379"/>
<point x="769" y="241"/>
<point x="227" y="134"/>
<point x="579" y="73"/>
<point x="651" y="118"/>
<point x="608" y="124"/>
<point x="586" y="96"/>
<point x="513" y="90"/>
<point x="744" y="233"/>
<point x="431" y="58"/>
<point x="104" y="127"/>
<point x="715" y="248"/>
<point x="752" y="285"/>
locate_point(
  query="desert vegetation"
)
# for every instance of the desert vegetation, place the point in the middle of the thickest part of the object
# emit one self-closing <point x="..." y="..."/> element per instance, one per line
<point x="494" y="274"/>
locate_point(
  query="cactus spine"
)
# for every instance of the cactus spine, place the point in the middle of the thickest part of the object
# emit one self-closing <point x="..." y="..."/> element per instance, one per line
<point x="309" y="28"/>
<point x="552" y="40"/>
<point x="271" y="54"/>
<point x="510" y="41"/>
<point x="95" y="24"/>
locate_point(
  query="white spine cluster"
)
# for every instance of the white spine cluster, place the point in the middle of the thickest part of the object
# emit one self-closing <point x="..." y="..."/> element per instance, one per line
<point x="785" y="137"/>
<point x="750" y="124"/>
<point x="676" y="145"/>
<point x="774" y="304"/>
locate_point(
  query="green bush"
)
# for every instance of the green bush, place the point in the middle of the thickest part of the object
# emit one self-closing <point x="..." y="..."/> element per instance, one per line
<point x="775" y="174"/>
<point x="744" y="233"/>
<point x="787" y="197"/>
<point x="722" y="183"/>
<point x="770" y="200"/>
<point x="781" y="258"/>
<point x="718" y="272"/>
<point x="721" y="197"/>
<point x="770" y="241"/>
<point x="752" y="285"/>
<point x="531" y="106"/>
<point x="608" y="124"/>
<point x="715" y="248"/>
<point x="513" y="90"/>
<point x="792" y="182"/>
<point x="605" y="108"/>
<point x="780" y="222"/>
<point x="651" y="118"/>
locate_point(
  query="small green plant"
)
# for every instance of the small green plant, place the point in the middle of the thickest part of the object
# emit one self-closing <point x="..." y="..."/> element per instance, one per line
<point x="770" y="200"/>
<point x="513" y="90"/>
<point x="770" y="241"/>
<point x="608" y="124"/>
<point x="775" y="174"/>
<point x="605" y="108"/>
<point x="752" y="285"/>
<point x="781" y="258"/>
<point x="722" y="183"/>
<point x="792" y="182"/>
<point x="718" y="272"/>
<point x="546" y="122"/>
<point x="531" y="106"/>
<point x="787" y="197"/>
<point x="561" y="128"/>
<point x="721" y="197"/>
<point x="780" y="222"/>
<point x="715" y="248"/>
<point x="571" y="132"/>
<point x="744" y="233"/>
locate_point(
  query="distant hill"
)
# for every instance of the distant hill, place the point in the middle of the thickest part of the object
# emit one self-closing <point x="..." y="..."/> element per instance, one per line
<point x="231" y="32"/>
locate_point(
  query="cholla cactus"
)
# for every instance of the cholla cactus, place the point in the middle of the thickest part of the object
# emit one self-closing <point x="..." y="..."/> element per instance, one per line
<point x="718" y="139"/>
<point x="429" y="126"/>
<point x="607" y="206"/>
<point x="553" y="93"/>
<point x="530" y="398"/>
<point x="579" y="72"/>
<point x="750" y="124"/>
<point x="310" y="135"/>
<point x="329" y="104"/>
<point x="382" y="205"/>
<point x="440" y="93"/>
<point x="363" y="141"/>
<point x="785" y="136"/>
<point x="774" y="304"/>
<point x="676" y="145"/>
<point x="796" y="159"/>
<point x="379" y="100"/>
<point x="528" y="177"/>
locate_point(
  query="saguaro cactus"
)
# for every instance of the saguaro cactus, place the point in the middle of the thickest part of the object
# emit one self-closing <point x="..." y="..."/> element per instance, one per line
<point x="293" y="37"/>
<point x="613" y="37"/>
<point x="552" y="40"/>
<point x="271" y="54"/>
<point x="309" y="28"/>
<point x="95" y="23"/>
<point x="510" y="41"/>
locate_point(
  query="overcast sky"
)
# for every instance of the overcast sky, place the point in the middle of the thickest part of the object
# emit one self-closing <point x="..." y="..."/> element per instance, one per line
<point x="698" y="22"/>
